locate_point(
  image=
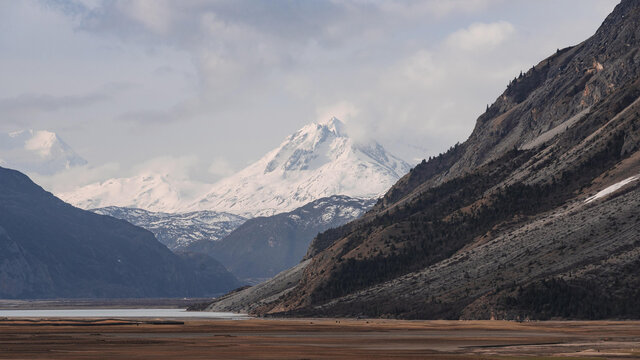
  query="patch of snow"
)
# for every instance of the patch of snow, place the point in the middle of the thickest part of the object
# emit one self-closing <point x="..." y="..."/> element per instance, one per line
<point x="329" y="214"/>
<point x="611" y="189"/>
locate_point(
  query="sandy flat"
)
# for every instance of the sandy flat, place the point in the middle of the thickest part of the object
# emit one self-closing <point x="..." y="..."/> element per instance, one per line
<point x="314" y="339"/>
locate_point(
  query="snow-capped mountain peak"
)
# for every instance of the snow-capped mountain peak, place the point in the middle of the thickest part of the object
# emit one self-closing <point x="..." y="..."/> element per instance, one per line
<point x="319" y="160"/>
<point x="37" y="151"/>
<point x="334" y="125"/>
<point x="299" y="150"/>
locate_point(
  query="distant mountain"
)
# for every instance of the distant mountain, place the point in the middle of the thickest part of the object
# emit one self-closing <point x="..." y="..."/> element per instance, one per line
<point x="264" y="246"/>
<point x="177" y="231"/>
<point x="317" y="161"/>
<point x="37" y="151"/>
<point x="50" y="249"/>
<point x="534" y="216"/>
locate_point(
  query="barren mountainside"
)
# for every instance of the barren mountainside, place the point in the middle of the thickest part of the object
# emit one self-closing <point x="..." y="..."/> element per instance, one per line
<point x="535" y="215"/>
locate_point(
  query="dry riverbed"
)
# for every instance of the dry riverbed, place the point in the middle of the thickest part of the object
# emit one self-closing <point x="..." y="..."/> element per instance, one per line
<point x="315" y="339"/>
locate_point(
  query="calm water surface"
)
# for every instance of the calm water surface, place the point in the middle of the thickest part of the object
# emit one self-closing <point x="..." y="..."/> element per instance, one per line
<point x="120" y="313"/>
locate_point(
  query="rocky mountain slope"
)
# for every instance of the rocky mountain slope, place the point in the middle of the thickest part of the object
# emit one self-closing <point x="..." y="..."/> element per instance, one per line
<point x="265" y="246"/>
<point x="178" y="231"/>
<point x="534" y="216"/>
<point x="37" y="151"/>
<point x="51" y="249"/>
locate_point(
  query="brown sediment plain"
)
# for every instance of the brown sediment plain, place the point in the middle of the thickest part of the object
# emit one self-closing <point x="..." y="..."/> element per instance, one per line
<point x="315" y="339"/>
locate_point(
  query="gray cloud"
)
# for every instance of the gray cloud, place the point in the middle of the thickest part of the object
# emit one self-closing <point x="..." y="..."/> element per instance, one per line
<point x="21" y="108"/>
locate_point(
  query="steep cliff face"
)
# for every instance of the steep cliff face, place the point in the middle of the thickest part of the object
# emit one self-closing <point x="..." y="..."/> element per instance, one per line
<point x="475" y="232"/>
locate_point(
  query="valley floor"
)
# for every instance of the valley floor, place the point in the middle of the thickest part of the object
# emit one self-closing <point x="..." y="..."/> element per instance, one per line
<point x="316" y="339"/>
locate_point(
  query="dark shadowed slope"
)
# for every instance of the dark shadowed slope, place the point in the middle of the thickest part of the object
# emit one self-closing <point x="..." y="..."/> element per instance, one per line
<point x="265" y="246"/>
<point x="51" y="249"/>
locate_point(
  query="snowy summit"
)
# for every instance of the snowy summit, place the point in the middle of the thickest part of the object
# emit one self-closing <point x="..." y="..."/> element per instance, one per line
<point x="317" y="161"/>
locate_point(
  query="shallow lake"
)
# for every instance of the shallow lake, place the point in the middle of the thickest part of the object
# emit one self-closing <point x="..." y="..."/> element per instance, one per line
<point x="120" y="313"/>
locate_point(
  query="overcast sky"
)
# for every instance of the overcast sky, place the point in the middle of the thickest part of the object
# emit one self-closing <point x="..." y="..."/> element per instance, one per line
<point x="205" y="87"/>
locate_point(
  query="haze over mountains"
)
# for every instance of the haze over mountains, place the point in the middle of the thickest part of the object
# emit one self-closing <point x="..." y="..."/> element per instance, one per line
<point x="37" y="151"/>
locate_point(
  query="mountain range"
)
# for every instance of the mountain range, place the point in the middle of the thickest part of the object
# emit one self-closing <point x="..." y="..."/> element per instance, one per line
<point x="317" y="178"/>
<point x="534" y="216"/>
<point x="295" y="190"/>
<point x="317" y="161"/>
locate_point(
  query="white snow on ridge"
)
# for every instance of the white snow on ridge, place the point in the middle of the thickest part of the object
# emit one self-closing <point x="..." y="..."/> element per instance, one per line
<point x="150" y="191"/>
<point x="177" y="231"/>
<point x="611" y="189"/>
